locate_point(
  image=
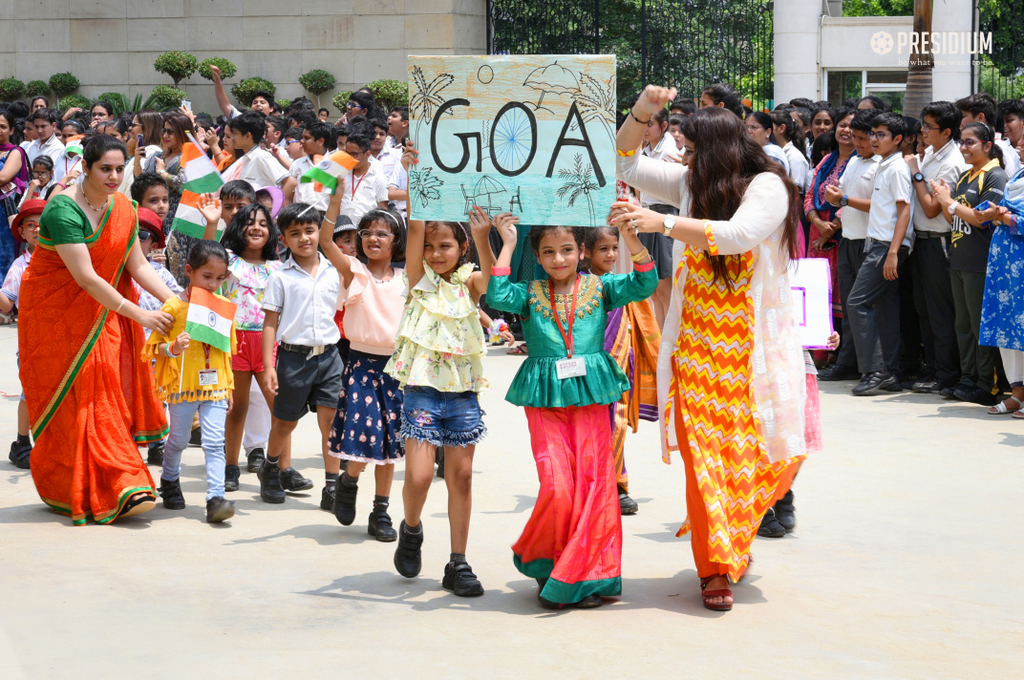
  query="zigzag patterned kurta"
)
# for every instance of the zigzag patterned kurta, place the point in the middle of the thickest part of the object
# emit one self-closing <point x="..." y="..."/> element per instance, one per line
<point x="714" y="414"/>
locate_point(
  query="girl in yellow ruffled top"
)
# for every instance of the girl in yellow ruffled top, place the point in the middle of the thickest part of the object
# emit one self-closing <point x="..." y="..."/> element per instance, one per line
<point x="437" y="360"/>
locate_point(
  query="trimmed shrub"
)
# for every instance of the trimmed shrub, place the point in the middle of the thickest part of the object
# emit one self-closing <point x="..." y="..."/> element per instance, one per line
<point x="339" y="100"/>
<point x="73" y="100"/>
<point x="317" y="82"/>
<point x="11" y="89"/>
<point x="388" y="93"/>
<point x="245" y="90"/>
<point x="37" y="87"/>
<point x="176" y="64"/>
<point x="227" y="68"/>
<point x="63" y="84"/>
<point x="167" y="97"/>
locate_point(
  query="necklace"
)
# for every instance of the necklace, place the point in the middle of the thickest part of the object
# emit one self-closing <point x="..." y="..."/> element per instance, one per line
<point x="86" y="197"/>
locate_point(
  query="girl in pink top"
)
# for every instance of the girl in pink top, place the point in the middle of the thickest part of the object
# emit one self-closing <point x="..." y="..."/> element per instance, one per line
<point x="366" y="427"/>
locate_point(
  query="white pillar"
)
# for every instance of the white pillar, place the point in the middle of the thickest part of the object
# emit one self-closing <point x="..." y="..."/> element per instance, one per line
<point x="796" y="49"/>
<point x="951" y="78"/>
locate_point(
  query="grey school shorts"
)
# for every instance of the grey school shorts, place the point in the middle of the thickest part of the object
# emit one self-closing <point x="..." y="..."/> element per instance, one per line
<point x="305" y="383"/>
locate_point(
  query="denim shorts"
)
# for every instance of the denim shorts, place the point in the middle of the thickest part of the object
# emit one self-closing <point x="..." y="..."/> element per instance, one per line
<point x="442" y="418"/>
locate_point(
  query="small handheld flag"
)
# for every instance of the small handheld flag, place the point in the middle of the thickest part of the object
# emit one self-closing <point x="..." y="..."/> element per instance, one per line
<point x="330" y="169"/>
<point x="210" y="319"/>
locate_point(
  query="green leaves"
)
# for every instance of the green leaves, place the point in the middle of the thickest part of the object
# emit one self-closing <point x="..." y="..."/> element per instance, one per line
<point x="389" y="93"/>
<point x="167" y="97"/>
<point x="11" y="89"/>
<point x="74" y="100"/>
<point x="245" y="90"/>
<point x="176" y="64"/>
<point x="317" y="82"/>
<point x="63" y="84"/>
<point x="227" y="68"/>
<point x="339" y="100"/>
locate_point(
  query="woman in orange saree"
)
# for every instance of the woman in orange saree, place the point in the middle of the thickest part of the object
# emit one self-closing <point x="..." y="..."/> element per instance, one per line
<point x="90" y="396"/>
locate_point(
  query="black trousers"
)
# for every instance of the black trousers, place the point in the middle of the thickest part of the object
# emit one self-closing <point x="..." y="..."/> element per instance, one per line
<point x="849" y="259"/>
<point x="874" y="307"/>
<point x="933" y="297"/>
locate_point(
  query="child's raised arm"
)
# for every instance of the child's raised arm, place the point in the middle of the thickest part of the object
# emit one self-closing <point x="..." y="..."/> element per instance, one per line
<point x="480" y="225"/>
<point x="330" y="249"/>
<point x="210" y="208"/>
<point x="414" y="252"/>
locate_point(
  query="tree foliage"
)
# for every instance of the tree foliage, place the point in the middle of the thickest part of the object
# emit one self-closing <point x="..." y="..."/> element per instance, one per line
<point x="74" y="100"/>
<point x="119" y="101"/>
<point x="176" y="64"/>
<point x="63" y="84"/>
<point x="339" y="100"/>
<point x="11" y="89"/>
<point x="245" y="90"/>
<point x="317" y="82"/>
<point x="167" y="97"/>
<point x="389" y="93"/>
<point x="226" y="66"/>
<point x="878" y="8"/>
<point x="37" y="87"/>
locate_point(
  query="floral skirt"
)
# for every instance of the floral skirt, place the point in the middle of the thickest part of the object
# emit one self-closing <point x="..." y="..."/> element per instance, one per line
<point x="367" y="426"/>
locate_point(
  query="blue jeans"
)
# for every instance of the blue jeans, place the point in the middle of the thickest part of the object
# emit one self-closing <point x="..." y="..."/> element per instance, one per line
<point x="211" y="420"/>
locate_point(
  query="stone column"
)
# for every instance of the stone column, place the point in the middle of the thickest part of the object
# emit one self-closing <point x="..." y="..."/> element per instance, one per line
<point x="796" y="49"/>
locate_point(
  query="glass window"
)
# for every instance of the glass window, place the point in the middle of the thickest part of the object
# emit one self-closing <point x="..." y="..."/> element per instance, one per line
<point x="887" y="77"/>
<point x="892" y="98"/>
<point x="842" y="85"/>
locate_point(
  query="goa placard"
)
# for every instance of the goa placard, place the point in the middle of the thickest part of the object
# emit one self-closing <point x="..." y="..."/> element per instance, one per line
<point x="528" y="134"/>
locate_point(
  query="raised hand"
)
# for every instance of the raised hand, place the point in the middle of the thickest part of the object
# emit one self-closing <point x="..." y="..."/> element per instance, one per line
<point x="209" y="207"/>
<point x="655" y="98"/>
<point x="506" y="223"/>
<point x="479" y="221"/>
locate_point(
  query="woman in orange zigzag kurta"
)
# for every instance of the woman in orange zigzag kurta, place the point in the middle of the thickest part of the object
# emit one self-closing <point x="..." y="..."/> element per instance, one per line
<point x="730" y="371"/>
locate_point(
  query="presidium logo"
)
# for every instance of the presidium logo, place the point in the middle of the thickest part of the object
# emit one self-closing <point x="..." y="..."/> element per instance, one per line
<point x="941" y="42"/>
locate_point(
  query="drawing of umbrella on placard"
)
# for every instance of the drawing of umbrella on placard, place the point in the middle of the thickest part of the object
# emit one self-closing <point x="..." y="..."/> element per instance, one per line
<point x="554" y="79"/>
<point x="484" y="188"/>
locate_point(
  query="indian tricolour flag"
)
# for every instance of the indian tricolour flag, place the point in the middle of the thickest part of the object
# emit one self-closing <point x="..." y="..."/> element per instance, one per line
<point x="73" y="145"/>
<point x="330" y="169"/>
<point x="201" y="176"/>
<point x="209" y="319"/>
<point x="187" y="218"/>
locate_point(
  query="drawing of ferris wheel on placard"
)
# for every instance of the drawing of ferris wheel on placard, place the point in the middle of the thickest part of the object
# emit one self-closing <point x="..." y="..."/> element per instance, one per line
<point x="513" y="138"/>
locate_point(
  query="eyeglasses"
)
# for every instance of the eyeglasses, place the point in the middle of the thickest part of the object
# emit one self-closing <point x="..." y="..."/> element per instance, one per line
<point x="968" y="143"/>
<point x="352" y="105"/>
<point x="294" y="141"/>
<point x="381" y="235"/>
<point x="144" y="235"/>
<point x="878" y="135"/>
<point x="929" y="128"/>
<point x="40" y="173"/>
<point x="755" y="128"/>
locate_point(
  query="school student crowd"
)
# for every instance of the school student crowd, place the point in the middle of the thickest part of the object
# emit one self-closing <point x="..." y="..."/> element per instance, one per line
<point x="339" y="305"/>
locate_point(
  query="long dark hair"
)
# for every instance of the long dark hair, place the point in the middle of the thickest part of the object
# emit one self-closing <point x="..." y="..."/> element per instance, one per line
<point x="725" y="161"/>
<point x="234" y="236"/>
<point x="794" y="131"/>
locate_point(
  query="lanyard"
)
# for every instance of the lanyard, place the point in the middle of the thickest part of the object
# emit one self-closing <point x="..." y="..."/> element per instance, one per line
<point x="572" y="314"/>
<point x="355" y="185"/>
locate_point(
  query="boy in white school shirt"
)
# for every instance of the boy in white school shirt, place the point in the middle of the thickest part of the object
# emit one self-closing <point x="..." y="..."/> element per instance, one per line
<point x="367" y="187"/>
<point x="317" y="141"/>
<point x="853" y="196"/>
<point x="874" y="302"/>
<point x="256" y="165"/>
<point x="46" y="143"/>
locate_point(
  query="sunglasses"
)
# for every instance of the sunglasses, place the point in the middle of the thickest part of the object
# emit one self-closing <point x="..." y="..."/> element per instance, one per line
<point x="352" y="105"/>
<point x="167" y="132"/>
<point x="381" y="235"/>
<point x="145" y="235"/>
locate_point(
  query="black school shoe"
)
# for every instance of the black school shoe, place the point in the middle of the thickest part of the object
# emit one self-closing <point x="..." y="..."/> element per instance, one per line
<point x="293" y="482"/>
<point x="254" y="459"/>
<point x="785" y="512"/>
<point x="231" y="475"/>
<point x="155" y="455"/>
<point x="20" y="454"/>
<point x="838" y="372"/>
<point x="975" y="395"/>
<point x="327" y="498"/>
<point x="770" y="526"/>
<point x="460" y="579"/>
<point x="171" y="493"/>
<point x="271" y="490"/>
<point x="928" y="386"/>
<point x="547" y="604"/>
<point x="948" y="392"/>
<point x="872" y="383"/>
<point x="381" y="527"/>
<point x="408" y="559"/>
<point x="218" y="509"/>
<point x="345" y="501"/>
<point x="627" y="506"/>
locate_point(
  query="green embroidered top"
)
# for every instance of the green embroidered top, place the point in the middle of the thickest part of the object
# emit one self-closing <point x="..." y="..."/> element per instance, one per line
<point x="536" y="383"/>
<point x="63" y="222"/>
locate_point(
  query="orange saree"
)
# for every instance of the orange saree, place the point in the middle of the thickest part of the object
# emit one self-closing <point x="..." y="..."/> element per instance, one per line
<point x="90" y="396"/>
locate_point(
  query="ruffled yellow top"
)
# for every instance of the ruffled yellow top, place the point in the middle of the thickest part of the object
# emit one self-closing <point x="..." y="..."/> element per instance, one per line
<point x="440" y="341"/>
<point x="168" y="370"/>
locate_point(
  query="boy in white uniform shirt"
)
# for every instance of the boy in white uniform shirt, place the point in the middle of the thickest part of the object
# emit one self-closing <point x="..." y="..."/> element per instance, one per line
<point x="366" y="188"/>
<point x="317" y="141"/>
<point x="256" y="165"/>
<point x="853" y="195"/>
<point x="46" y="143"/>
<point x="874" y="302"/>
<point x="933" y="295"/>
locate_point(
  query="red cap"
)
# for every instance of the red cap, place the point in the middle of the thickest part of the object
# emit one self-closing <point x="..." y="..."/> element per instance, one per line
<point x="152" y="223"/>
<point x="33" y="207"/>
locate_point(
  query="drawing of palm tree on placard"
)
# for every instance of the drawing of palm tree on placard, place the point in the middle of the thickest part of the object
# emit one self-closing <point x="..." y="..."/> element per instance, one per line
<point x="425" y="98"/>
<point x="424" y="186"/>
<point x="596" y="100"/>
<point x="579" y="181"/>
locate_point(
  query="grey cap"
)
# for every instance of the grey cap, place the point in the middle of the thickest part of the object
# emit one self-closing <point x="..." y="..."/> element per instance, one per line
<point x="342" y="224"/>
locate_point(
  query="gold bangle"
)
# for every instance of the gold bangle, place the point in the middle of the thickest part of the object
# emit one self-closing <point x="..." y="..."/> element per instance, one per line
<point x="642" y="255"/>
<point x="118" y="310"/>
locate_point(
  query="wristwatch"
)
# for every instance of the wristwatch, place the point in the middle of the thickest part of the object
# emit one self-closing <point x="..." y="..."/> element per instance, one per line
<point x="952" y="208"/>
<point x="917" y="177"/>
<point x="844" y="201"/>
<point x="670" y="224"/>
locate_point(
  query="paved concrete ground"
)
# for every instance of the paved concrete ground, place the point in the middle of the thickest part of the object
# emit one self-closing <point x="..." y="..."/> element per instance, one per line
<point x="904" y="565"/>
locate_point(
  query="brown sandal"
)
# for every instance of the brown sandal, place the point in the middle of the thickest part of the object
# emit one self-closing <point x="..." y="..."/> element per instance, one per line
<point x="707" y="595"/>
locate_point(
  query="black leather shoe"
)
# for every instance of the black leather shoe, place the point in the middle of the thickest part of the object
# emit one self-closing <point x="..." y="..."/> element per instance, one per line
<point x="785" y="512"/>
<point x="770" y="526"/>
<point x="254" y="459"/>
<point x="327" y="498"/>
<point x="381" y="527"/>
<point x="976" y="395"/>
<point x="872" y="383"/>
<point x="589" y="602"/>
<point x="838" y="372"/>
<point x="928" y="386"/>
<point x="20" y="454"/>
<point x="547" y="604"/>
<point x="947" y="392"/>
<point x="408" y="560"/>
<point x="271" y="490"/>
<point x="171" y="493"/>
<point x="627" y="506"/>
<point x="218" y="509"/>
<point x="155" y="455"/>
<point x="460" y="579"/>
<point x="345" y="500"/>
<point x="231" y="475"/>
<point x="293" y="482"/>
